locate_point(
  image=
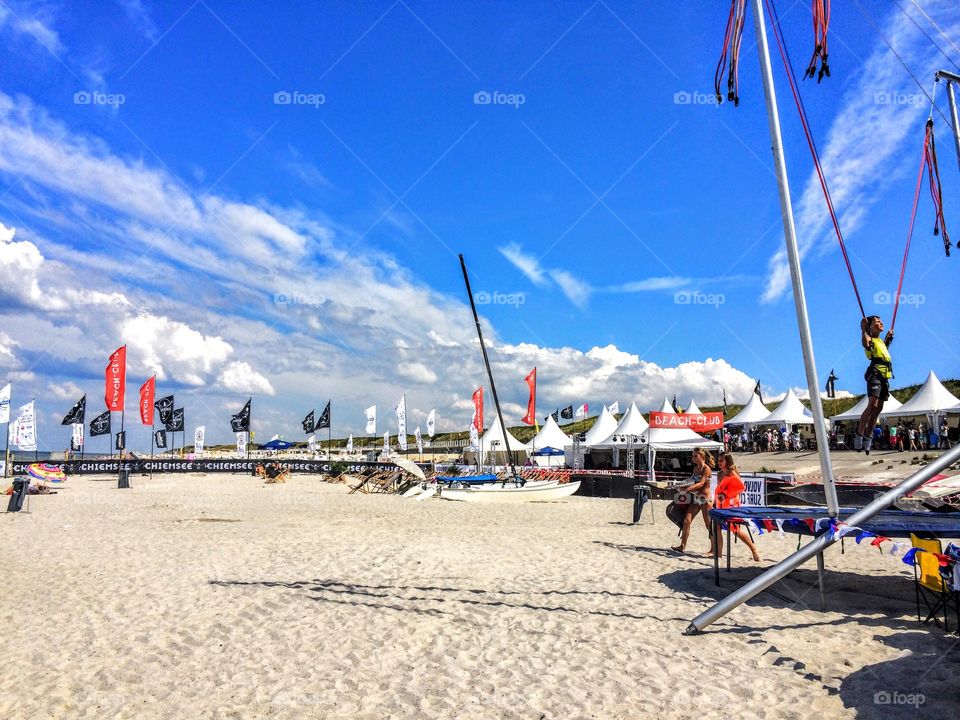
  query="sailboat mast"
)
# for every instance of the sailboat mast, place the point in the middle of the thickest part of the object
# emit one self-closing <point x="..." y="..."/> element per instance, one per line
<point x="486" y="362"/>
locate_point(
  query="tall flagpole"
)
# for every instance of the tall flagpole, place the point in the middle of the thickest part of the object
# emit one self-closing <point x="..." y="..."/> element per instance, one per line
<point x="6" y="434"/>
<point x="36" y="457"/>
<point x="329" y="428"/>
<point x="249" y="423"/>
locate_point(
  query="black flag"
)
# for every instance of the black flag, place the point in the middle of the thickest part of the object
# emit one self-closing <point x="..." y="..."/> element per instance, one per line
<point x="160" y="438"/>
<point x="164" y="406"/>
<point x="121" y="440"/>
<point x="724" y="402"/>
<point x="100" y="425"/>
<point x="241" y="421"/>
<point x="176" y="421"/>
<point x="758" y="392"/>
<point x="567" y="413"/>
<point x="324" y="421"/>
<point x="308" y="424"/>
<point x="556" y="415"/>
<point x="674" y="403"/>
<point x="832" y="385"/>
<point x="77" y="413"/>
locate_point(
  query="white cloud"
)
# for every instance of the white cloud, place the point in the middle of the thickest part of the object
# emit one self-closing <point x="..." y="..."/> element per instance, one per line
<point x="577" y="291"/>
<point x="37" y="27"/>
<point x="7" y="358"/>
<point x="240" y="377"/>
<point x="525" y="263"/>
<point x="66" y="390"/>
<point x="872" y="141"/>
<point x="417" y="372"/>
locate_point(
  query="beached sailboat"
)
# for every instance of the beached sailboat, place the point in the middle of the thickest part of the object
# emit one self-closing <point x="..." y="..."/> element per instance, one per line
<point x="480" y="488"/>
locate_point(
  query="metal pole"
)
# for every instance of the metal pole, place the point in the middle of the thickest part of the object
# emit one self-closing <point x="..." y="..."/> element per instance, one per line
<point x="793" y="255"/>
<point x="810" y="550"/>
<point x="486" y="361"/>
<point x="952" y="102"/>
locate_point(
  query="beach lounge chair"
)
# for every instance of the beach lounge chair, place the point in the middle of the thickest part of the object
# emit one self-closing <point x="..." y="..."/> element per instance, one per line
<point x="929" y="584"/>
<point x="385" y="482"/>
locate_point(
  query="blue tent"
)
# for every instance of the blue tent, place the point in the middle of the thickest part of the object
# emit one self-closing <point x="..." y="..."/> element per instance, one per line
<point x="548" y="452"/>
<point x="276" y="445"/>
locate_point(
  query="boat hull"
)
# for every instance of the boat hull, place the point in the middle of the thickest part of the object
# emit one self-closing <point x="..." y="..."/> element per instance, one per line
<point x="498" y="493"/>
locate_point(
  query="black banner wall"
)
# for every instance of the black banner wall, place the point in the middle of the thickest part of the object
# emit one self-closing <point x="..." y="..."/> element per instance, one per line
<point x="238" y="466"/>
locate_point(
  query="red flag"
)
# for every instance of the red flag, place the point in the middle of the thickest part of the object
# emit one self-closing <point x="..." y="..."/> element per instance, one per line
<point x="116" y="380"/>
<point x="531" y="417"/>
<point x="147" y="392"/>
<point x="478" y="409"/>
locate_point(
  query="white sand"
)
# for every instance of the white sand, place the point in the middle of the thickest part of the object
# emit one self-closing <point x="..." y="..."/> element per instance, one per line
<point x="218" y="596"/>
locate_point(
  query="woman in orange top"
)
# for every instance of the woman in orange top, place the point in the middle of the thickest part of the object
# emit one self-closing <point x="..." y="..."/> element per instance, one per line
<point x="727" y="495"/>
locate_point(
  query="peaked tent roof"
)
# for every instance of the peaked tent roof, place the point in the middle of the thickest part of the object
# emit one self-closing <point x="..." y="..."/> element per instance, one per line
<point x="495" y="432"/>
<point x="632" y="423"/>
<point x="930" y="398"/>
<point x="856" y="411"/>
<point x="677" y="438"/>
<point x="550" y="435"/>
<point x="754" y="411"/>
<point x="602" y="428"/>
<point x="692" y="408"/>
<point x="790" y="411"/>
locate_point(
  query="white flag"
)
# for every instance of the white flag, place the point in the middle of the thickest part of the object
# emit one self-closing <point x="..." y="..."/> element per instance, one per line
<point x="386" y="443"/>
<point x="77" y="439"/>
<point x="241" y="443"/>
<point x="614" y="408"/>
<point x="198" y="436"/>
<point x="371" y="419"/>
<point x="419" y="440"/>
<point x="581" y="411"/>
<point x="432" y="422"/>
<point x="312" y="443"/>
<point x="474" y="437"/>
<point x="402" y="423"/>
<point x="350" y="443"/>
<point x="23" y="430"/>
<point x="5" y="404"/>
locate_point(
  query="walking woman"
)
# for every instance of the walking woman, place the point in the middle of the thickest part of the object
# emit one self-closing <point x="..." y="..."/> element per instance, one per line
<point x="700" y="496"/>
<point x="729" y="488"/>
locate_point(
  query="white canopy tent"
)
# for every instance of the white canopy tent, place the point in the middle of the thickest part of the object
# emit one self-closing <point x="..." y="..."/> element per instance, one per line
<point x="856" y="411"/>
<point x="631" y="424"/>
<point x="496" y="441"/>
<point x="602" y="428"/>
<point x="753" y="412"/>
<point x="931" y="400"/>
<point x="676" y="439"/>
<point x="790" y="411"/>
<point x="550" y="435"/>
<point x="692" y="408"/>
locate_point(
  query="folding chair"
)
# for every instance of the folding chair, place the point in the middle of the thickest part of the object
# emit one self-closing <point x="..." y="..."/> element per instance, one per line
<point x="929" y="584"/>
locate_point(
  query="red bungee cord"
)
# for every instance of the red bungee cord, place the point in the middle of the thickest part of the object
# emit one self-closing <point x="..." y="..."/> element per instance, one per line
<point x="821" y="24"/>
<point x="732" y="39"/>
<point x="936" y="191"/>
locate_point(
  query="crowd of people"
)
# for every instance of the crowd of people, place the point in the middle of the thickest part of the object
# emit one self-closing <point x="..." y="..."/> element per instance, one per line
<point x="768" y="439"/>
<point x="903" y="436"/>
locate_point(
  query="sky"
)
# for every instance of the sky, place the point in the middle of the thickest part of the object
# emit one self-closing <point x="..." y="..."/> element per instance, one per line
<point x="267" y="200"/>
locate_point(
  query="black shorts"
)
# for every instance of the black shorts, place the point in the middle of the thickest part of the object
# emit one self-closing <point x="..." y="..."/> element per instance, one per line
<point x="877" y="385"/>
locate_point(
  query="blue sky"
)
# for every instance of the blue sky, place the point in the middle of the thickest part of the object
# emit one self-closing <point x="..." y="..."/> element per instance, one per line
<point x="157" y="191"/>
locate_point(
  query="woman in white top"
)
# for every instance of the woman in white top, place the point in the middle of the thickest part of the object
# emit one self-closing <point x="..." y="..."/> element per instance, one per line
<point x="700" y="496"/>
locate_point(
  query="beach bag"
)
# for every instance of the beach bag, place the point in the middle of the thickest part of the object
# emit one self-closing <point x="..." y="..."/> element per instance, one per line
<point x="676" y="512"/>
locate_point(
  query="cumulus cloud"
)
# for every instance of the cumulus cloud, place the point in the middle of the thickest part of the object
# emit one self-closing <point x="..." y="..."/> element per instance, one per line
<point x="239" y="377"/>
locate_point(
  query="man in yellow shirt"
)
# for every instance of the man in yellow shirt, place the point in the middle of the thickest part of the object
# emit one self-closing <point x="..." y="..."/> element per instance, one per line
<point x="878" y="376"/>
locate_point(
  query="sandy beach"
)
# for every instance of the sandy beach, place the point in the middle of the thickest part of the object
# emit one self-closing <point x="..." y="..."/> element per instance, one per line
<point x="218" y="596"/>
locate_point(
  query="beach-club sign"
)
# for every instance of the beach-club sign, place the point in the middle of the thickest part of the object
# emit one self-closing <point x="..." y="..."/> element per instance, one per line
<point x="698" y="422"/>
